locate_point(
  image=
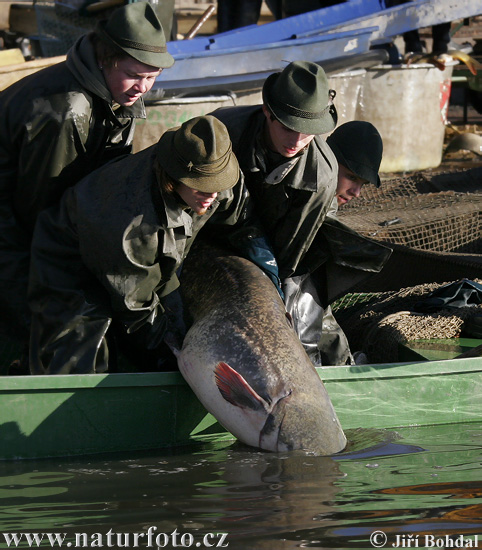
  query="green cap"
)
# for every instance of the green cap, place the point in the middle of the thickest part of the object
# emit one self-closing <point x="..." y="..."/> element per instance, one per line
<point x="200" y="155"/>
<point x="137" y="31"/>
<point x="358" y="146"/>
<point x="300" y="98"/>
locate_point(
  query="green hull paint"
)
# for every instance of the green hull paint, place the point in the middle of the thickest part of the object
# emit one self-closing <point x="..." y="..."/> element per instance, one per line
<point x="84" y="414"/>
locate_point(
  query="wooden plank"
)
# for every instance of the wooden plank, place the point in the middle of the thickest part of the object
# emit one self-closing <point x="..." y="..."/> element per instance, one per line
<point x="10" y="57"/>
<point x="9" y="74"/>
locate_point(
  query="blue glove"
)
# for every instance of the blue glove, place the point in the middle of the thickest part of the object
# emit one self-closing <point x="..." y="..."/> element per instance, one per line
<point x="257" y="249"/>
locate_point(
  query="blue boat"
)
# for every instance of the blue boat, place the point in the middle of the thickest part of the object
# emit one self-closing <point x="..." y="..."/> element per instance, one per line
<point x="343" y="35"/>
<point x="231" y="69"/>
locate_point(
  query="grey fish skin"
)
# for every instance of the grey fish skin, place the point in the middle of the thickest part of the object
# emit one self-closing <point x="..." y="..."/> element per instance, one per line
<point x="245" y="362"/>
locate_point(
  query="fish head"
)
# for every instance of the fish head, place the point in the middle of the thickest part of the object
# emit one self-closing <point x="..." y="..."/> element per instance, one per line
<point x="297" y="422"/>
<point x="296" y="416"/>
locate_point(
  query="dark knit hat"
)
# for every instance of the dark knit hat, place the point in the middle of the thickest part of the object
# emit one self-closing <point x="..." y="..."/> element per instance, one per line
<point x="358" y="146"/>
<point x="136" y="30"/>
<point x="199" y="154"/>
<point x="300" y="98"/>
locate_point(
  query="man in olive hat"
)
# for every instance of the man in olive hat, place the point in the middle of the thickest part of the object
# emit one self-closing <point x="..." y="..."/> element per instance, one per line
<point x="104" y="260"/>
<point x="59" y="124"/>
<point x="291" y="174"/>
<point x="289" y="169"/>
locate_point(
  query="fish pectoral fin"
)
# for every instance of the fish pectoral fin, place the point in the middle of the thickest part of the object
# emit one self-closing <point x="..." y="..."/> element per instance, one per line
<point x="236" y="390"/>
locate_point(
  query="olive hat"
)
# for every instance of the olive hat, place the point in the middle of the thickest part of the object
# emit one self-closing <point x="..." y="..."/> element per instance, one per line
<point x="358" y="146"/>
<point x="200" y="155"/>
<point x="137" y="31"/>
<point x="300" y="98"/>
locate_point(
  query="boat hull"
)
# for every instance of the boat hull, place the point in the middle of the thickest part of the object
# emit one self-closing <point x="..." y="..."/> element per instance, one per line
<point x="69" y="415"/>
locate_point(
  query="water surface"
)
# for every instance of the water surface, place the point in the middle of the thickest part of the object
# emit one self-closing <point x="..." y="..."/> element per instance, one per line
<point x="413" y="485"/>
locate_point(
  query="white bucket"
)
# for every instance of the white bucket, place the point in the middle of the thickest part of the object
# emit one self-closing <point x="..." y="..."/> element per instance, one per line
<point x="408" y="105"/>
<point x="348" y="87"/>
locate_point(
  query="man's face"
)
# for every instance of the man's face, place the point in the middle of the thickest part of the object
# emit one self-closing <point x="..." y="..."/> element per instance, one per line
<point x="282" y="140"/>
<point x="129" y="79"/>
<point x="349" y="185"/>
<point x="197" y="200"/>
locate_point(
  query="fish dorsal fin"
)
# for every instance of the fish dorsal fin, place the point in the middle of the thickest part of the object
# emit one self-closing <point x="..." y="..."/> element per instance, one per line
<point x="236" y="390"/>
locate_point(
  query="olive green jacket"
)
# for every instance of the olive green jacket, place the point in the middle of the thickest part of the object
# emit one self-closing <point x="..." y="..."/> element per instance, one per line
<point x="293" y="199"/>
<point x="56" y="126"/>
<point x="110" y="252"/>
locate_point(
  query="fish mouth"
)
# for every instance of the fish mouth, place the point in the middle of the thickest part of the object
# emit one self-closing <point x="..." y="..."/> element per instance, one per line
<point x="269" y="436"/>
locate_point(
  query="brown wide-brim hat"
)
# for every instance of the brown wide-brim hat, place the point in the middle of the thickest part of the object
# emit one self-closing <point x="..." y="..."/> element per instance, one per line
<point x="358" y="146"/>
<point x="199" y="154"/>
<point x="300" y="98"/>
<point x="136" y="30"/>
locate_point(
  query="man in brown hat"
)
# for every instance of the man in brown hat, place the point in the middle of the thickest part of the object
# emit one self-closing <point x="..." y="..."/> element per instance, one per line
<point x="104" y="260"/>
<point x="291" y="174"/>
<point x="61" y="123"/>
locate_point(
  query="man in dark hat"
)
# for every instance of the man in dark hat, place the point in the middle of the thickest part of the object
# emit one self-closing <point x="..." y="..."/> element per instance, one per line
<point x="61" y="123"/>
<point x="104" y="260"/>
<point x="358" y="148"/>
<point x="291" y="174"/>
<point x="350" y="257"/>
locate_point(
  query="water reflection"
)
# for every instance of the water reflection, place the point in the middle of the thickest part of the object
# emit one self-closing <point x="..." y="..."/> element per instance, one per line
<point x="417" y="480"/>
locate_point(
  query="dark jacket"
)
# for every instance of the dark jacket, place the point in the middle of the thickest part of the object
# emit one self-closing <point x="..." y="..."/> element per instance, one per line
<point x="293" y="198"/>
<point x="56" y="126"/>
<point x="110" y="251"/>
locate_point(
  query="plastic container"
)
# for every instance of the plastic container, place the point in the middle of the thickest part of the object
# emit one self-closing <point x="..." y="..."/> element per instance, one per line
<point x="348" y="86"/>
<point x="408" y="105"/>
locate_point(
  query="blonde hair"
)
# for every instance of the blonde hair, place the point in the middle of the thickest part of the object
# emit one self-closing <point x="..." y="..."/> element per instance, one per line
<point x="107" y="54"/>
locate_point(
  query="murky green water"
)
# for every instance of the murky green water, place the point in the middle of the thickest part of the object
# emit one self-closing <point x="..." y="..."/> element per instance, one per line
<point x="418" y="487"/>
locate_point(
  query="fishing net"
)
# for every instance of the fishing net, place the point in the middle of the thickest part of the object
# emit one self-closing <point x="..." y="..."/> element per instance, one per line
<point x="439" y="212"/>
<point x="376" y="323"/>
<point x="439" y="218"/>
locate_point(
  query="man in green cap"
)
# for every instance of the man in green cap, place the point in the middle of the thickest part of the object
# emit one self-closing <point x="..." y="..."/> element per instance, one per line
<point x="104" y="260"/>
<point x="61" y="123"/>
<point x="291" y="174"/>
<point x="289" y="169"/>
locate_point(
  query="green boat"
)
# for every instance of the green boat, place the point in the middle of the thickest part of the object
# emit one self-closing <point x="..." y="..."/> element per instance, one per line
<point x="422" y="381"/>
<point x="67" y="415"/>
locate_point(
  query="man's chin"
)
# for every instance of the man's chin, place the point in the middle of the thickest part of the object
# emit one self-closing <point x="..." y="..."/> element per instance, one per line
<point x="128" y="102"/>
<point x="201" y="211"/>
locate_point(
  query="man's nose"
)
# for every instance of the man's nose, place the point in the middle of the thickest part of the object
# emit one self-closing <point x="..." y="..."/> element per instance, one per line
<point x="142" y="85"/>
<point x="355" y="190"/>
<point x="298" y="137"/>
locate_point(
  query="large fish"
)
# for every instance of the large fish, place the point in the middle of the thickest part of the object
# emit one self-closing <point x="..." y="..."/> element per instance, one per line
<point x="244" y="361"/>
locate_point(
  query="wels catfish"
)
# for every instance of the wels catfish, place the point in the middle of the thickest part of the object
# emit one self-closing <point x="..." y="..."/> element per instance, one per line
<point x="244" y="361"/>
